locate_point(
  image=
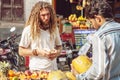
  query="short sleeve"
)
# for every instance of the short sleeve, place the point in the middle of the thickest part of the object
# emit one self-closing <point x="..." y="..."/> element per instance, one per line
<point x="25" y="38"/>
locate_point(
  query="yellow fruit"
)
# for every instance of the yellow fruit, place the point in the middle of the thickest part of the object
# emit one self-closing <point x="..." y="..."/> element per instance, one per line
<point x="69" y="18"/>
<point x="22" y="76"/>
<point x="79" y="7"/>
<point x="57" y="75"/>
<point x="34" y="75"/>
<point x="81" y="64"/>
<point x="11" y="73"/>
<point x="70" y="75"/>
<point x="15" y="78"/>
<point x="74" y="15"/>
<point x="10" y="78"/>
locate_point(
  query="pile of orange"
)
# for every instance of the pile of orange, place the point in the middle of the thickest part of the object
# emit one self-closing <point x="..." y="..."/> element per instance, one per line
<point x="11" y="73"/>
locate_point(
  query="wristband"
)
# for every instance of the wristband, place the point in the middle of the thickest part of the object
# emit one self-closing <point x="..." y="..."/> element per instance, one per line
<point x="35" y="52"/>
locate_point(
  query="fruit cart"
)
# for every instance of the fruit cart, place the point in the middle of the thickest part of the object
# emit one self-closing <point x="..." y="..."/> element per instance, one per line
<point x="7" y="74"/>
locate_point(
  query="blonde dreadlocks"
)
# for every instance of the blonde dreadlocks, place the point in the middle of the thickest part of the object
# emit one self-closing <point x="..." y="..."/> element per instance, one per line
<point x="34" y="19"/>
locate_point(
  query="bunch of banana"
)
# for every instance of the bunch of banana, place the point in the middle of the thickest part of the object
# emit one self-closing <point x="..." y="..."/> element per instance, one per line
<point x="81" y="18"/>
<point x="72" y="17"/>
<point x="79" y="7"/>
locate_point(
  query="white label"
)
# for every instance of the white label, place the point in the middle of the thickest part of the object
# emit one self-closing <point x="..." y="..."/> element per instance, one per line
<point x="62" y="59"/>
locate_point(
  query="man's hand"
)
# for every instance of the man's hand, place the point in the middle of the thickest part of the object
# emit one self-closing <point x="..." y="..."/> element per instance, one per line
<point x="43" y="53"/>
<point x="53" y="54"/>
<point x="49" y="54"/>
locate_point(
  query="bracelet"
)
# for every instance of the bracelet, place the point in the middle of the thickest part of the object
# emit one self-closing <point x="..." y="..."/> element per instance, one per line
<point x="35" y="52"/>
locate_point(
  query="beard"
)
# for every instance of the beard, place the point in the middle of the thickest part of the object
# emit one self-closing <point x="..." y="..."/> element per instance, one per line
<point x="44" y="23"/>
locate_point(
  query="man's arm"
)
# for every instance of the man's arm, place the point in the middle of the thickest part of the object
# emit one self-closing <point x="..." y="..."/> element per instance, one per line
<point x="97" y="69"/>
<point x="35" y="52"/>
<point x="25" y="51"/>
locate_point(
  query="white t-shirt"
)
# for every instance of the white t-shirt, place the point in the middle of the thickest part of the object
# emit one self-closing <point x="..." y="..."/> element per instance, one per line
<point x="38" y="62"/>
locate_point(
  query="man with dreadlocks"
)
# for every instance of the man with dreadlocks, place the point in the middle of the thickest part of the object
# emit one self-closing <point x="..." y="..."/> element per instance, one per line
<point x="104" y="42"/>
<point x="40" y="38"/>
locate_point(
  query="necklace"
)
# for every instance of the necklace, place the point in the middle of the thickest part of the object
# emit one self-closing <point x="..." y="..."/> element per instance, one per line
<point x="46" y="27"/>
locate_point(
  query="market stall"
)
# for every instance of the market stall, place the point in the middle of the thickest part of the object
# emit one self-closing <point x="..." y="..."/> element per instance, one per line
<point x="7" y="74"/>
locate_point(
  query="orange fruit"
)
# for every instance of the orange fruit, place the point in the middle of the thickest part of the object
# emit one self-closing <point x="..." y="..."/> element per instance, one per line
<point x="11" y="73"/>
<point x="34" y="75"/>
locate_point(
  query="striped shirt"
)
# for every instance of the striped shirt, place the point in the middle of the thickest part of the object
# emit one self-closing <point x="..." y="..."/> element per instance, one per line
<point x="105" y="53"/>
